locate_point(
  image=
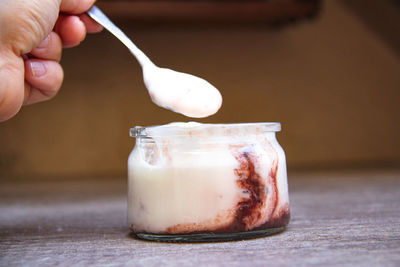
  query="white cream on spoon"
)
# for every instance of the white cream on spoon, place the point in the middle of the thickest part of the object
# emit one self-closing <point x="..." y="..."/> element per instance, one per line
<point x="180" y="92"/>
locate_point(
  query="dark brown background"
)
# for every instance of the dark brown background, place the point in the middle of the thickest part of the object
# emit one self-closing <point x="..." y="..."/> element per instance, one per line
<point x="333" y="82"/>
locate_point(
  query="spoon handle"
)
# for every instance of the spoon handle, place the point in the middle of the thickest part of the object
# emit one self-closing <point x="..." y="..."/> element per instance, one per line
<point x="95" y="13"/>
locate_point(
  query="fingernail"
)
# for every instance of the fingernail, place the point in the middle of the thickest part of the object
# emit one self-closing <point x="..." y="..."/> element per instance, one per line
<point x="38" y="68"/>
<point x="44" y="43"/>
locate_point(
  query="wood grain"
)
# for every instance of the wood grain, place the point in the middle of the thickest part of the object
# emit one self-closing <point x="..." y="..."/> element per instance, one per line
<point x="338" y="218"/>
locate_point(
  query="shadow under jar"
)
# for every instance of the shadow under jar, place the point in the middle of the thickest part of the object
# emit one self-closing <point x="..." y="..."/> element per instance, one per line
<point x="192" y="182"/>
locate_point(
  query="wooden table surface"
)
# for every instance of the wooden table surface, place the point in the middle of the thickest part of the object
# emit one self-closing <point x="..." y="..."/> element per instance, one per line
<point x="338" y="218"/>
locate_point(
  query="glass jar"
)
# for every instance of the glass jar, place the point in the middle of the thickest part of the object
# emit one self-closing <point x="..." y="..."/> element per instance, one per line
<point x="207" y="182"/>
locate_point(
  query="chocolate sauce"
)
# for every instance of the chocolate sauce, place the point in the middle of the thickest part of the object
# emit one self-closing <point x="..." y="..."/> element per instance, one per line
<point x="248" y="210"/>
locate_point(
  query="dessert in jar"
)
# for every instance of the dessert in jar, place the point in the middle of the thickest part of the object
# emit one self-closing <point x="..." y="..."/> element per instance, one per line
<point x="207" y="182"/>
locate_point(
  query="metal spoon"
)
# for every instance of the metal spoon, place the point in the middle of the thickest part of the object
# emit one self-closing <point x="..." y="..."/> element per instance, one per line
<point x="180" y="92"/>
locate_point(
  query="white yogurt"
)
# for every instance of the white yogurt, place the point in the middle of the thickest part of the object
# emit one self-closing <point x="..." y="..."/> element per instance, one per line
<point x="181" y="92"/>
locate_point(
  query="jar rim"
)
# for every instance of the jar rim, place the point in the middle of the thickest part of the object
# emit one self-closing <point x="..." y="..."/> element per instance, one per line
<point x="170" y="129"/>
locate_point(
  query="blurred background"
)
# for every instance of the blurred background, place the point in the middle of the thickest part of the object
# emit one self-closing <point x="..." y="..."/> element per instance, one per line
<point x="329" y="71"/>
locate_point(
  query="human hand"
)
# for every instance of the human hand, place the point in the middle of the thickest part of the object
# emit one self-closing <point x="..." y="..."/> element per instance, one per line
<point x="32" y="35"/>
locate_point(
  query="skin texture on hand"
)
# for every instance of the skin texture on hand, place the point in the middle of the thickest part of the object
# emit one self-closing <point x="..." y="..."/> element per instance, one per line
<point x="32" y="36"/>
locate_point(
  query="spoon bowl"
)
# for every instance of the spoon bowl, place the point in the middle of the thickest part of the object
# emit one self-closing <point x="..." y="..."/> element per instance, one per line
<point x="180" y="92"/>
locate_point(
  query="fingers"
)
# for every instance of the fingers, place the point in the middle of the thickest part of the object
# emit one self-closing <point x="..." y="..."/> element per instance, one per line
<point x="76" y="6"/>
<point x="34" y="95"/>
<point x="71" y="30"/>
<point x="50" y="48"/>
<point x="43" y="75"/>
<point x="43" y="80"/>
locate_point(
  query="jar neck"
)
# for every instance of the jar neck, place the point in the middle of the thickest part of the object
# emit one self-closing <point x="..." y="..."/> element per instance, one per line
<point x="204" y="140"/>
<point x="204" y="131"/>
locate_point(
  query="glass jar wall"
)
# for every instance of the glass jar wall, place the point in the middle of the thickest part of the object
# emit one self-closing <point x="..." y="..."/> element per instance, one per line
<point x="207" y="182"/>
